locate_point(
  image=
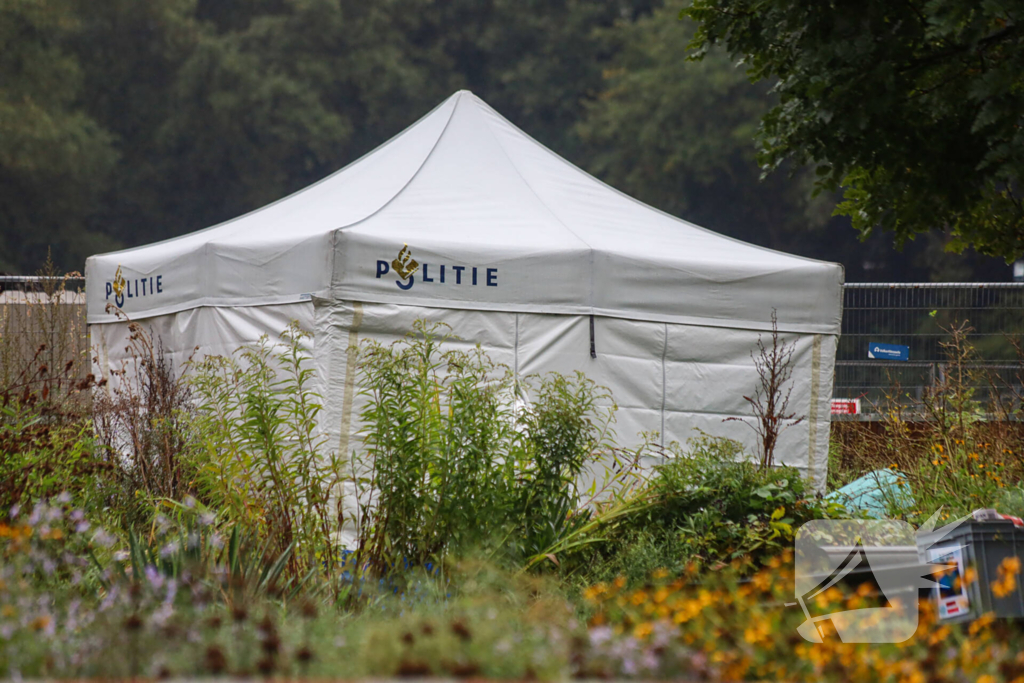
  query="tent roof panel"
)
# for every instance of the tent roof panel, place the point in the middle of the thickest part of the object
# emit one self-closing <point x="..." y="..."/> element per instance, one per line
<point x="466" y="189"/>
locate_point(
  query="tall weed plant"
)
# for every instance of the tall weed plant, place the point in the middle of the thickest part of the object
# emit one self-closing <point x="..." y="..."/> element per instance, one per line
<point x="461" y="453"/>
<point x="143" y="422"/>
<point x="261" y="460"/>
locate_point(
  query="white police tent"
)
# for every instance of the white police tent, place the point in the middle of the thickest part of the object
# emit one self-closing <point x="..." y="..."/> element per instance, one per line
<point x="465" y="219"/>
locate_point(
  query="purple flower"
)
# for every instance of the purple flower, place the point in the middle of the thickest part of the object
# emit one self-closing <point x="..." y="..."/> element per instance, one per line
<point x="599" y="635"/>
<point x="154" y="577"/>
<point x="104" y="539"/>
<point x="172" y="590"/>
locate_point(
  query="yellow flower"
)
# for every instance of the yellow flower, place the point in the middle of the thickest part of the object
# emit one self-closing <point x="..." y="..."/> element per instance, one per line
<point x="39" y="623"/>
<point x="757" y="632"/>
<point x="970" y="575"/>
<point x="981" y="622"/>
<point x="938" y="635"/>
<point x="643" y="630"/>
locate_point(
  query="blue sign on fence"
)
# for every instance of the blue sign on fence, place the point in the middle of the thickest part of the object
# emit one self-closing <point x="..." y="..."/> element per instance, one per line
<point x="888" y="351"/>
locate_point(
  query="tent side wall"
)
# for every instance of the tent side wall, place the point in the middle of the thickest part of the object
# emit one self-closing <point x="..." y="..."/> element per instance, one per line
<point x="206" y="330"/>
<point x="666" y="378"/>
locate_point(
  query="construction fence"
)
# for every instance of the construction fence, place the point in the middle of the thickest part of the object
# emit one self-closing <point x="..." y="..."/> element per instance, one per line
<point x="42" y="329"/>
<point x="897" y="342"/>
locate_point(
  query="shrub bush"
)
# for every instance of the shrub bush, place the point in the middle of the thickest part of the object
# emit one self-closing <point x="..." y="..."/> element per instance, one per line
<point x="454" y="463"/>
<point x="260" y="460"/>
<point x="708" y="507"/>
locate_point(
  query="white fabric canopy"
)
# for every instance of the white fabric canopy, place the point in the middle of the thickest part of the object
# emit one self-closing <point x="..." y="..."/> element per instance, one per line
<point x="465" y="219"/>
<point x="467" y="190"/>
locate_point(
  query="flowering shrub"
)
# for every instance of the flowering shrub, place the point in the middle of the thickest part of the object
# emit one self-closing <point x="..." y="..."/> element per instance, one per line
<point x="74" y="605"/>
<point x="730" y="629"/>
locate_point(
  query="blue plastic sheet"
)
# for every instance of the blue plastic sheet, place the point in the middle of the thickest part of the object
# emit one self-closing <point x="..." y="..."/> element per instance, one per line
<point x="876" y="493"/>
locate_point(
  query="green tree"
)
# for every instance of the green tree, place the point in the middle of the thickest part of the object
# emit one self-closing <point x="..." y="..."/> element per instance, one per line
<point x="131" y="54"/>
<point x="535" y="61"/>
<point x="914" y="108"/>
<point x="233" y="106"/>
<point x="54" y="158"/>
<point x="679" y="135"/>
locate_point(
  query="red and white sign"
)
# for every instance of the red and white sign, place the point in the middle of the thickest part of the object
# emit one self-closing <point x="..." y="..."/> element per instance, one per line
<point x="951" y="607"/>
<point x="846" y="406"/>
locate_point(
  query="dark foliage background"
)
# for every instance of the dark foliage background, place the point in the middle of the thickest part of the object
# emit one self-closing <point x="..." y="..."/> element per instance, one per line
<point x="122" y="123"/>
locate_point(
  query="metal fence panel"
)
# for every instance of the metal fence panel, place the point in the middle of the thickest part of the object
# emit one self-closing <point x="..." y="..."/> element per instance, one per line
<point x="42" y="324"/>
<point x="920" y="316"/>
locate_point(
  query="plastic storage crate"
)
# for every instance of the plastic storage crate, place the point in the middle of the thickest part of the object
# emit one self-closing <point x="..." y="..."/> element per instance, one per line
<point x="978" y="549"/>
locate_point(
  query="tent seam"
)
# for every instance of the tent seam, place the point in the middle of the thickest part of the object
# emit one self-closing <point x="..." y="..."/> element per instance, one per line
<point x="812" y="429"/>
<point x="542" y="202"/>
<point x="516" y="347"/>
<point x="717" y="323"/>
<point x="551" y="211"/>
<point x="664" y="384"/>
<point x="402" y="189"/>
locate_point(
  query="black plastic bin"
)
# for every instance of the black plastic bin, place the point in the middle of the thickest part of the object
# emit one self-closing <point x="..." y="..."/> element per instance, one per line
<point x="981" y="551"/>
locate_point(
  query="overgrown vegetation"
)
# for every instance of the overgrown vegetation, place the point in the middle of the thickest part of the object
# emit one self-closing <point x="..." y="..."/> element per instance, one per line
<point x="770" y="400"/>
<point x="143" y="420"/>
<point x="170" y="511"/>
<point x="709" y="508"/>
<point x="47" y="446"/>
<point x="958" y="453"/>
<point x="260" y="460"/>
<point x="458" y="460"/>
